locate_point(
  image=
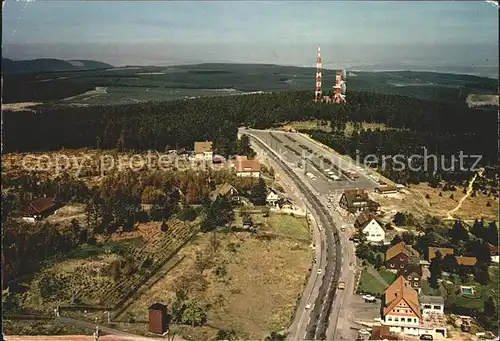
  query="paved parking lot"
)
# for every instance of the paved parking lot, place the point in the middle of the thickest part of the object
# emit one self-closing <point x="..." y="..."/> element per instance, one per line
<point x="363" y="311"/>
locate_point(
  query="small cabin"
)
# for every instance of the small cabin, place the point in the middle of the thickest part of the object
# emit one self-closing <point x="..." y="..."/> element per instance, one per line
<point x="158" y="319"/>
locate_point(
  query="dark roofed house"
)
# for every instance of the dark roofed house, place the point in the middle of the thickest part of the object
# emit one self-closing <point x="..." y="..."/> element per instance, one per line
<point x="354" y="200"/>
<point x="39" y="208"/>
<point x="413" y="274"/>
<point x="400" y="255"/>
<point x="226" y="190"/>
<point x="363" y="217"/>
<point x="383" y="332"/>
<point x="158" y="319"/>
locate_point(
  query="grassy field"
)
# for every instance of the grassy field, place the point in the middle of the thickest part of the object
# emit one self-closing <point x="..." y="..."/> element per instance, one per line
<point x="369" y="284"/>
<point x="256" y="292"/>
<point x="49" y="327"/>
<point x="388" y="276"/>
<point x="289" y="226"/>
<point x="105" y="273"/>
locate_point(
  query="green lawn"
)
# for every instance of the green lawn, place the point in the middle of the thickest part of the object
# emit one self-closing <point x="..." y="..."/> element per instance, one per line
<point x="287" y="225"/>
<point x="369" y="284"/>
<point x="387" y="275"/>
<point x="481" y="292"/>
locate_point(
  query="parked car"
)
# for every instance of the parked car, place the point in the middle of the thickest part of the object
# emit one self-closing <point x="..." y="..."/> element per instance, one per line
<point x="320" y="271"/>
<point x="308" y="306"/>
<point x="426" y="337"/>
<point x="341" y="285"/>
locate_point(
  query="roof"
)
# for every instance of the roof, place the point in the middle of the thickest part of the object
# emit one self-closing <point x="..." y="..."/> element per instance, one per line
<point x="466" y="261"/>
<point x="400" y="248"/>
<point x="493" y="249"/>
<point x="219" y="158"/>
<point x="431" y="300"/>
<point x="225" y="189"/>
<point x="246" y="165"/>
<point x="370" y="220"/>
<point x="383" y="333"/>
<point x="157" y="306"/>
<point x="202" y="147"/>
<point x="444" y="251"/>
<point x="399" y="290"/>
<point x="355" y="195"/>
<point x="365" y="216"/>
<point x="411" y="268"/>
<point x="39" y="206"/>
<point x="387" y="188"/>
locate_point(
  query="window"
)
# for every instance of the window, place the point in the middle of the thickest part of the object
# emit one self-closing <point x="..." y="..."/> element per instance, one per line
<point x="427" y="306"/>
<point x="396" y="319"/>
<point x="403" y="319"/>
<point x="409" y="278"/>
<point x="402" y="266"/>
<point x="389" y="318"/>
<point x="392" y="265"/>
<point x="415" y="284"/>
<point x="437" y="307"/>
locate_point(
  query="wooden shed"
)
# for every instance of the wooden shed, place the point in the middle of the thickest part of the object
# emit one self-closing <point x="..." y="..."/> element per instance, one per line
<point x="158" y="320"/>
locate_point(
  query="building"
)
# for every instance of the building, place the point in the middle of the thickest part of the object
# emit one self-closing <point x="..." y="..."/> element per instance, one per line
<point x="386" y="189"/>
<point x="38" y="209"/>
<point x="158" y="320"/>
<point x="466" y="261"/>
<point x="380" y="333"/>
<point x="272" y="197"/>
<point x="363" y="217"/>
<point x="203" y="151"/>
<point x="227" y="191"/>
<point x="401" y="310"/>
<point x="373" y="231"/>
<point x="400" y="255"/>
<point x="430" y="305"/>
<point x="245" y="167"/>
<point x="444" y="251"/>
<point x="494" y="253"/>
<point x="413" y="274"/>
<point x="354" y="200"/>
<point x="285" y="204"/>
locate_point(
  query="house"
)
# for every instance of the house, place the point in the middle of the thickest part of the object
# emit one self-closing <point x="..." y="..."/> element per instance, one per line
<point x="245" y="167"/>
<point x="203" y="150"/>
<point x="466" y="261"/>
<point x="373" y="231"/>
<point x="494" y="253"/>
<point x="284" y="204"/>
<point x="354" y="200"/>
<point x="272" y="197"/>
<point x="218" y="159"/>
<point x="363" y="217"/>
<point x="38" y="209"/>
<point x="401" y="310"/>
<point x="444" y="251"/>
<point x="400" y="255"/>
<point x="386" y="189"/>
<point x="158" y="321"/>
<point x="227" y="191"/>
<point x="430" y="305"/>
<point x="380" y="333"/>
<point x="413" y="274"/>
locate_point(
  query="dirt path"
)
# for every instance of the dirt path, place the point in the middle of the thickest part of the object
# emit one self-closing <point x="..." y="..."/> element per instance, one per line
<point x="467" y="194"/>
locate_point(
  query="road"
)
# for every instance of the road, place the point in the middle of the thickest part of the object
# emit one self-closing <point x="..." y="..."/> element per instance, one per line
<point x="329" y="318"/>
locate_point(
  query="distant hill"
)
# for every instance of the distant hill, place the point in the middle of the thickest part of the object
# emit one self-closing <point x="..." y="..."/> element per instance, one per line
<point x="10" y="66"/>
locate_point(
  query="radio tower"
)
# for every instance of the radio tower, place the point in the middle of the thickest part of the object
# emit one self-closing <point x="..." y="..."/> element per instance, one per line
<point x="317" y="92"/>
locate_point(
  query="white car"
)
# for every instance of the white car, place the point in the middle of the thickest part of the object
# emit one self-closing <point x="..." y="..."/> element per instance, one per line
<point x="308" y="306"/>
<point x="320" y="271"/>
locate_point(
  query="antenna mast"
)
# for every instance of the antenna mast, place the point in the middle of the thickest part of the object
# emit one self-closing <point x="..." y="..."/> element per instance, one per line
<point x="319" y="67"/>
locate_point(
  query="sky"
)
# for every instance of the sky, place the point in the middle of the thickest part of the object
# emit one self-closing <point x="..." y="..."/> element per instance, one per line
<point x="361" y="34"/>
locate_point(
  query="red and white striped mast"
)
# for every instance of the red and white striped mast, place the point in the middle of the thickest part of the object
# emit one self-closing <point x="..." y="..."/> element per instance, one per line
<point x="319" y="67"/>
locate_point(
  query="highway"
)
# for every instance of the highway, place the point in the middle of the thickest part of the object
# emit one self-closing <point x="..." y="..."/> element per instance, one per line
<point x="329" y="317"/>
